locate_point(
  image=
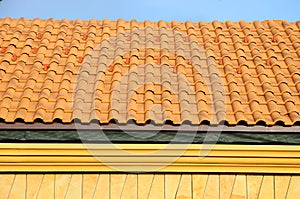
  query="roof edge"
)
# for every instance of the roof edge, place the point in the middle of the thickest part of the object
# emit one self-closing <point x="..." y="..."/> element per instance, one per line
<point x="149" y="127"/>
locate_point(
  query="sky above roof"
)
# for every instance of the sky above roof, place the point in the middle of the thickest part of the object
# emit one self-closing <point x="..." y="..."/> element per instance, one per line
<point x="154" y="10"/>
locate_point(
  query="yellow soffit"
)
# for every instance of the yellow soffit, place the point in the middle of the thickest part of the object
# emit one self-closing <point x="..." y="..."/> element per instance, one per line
<point x="43" y="157"/>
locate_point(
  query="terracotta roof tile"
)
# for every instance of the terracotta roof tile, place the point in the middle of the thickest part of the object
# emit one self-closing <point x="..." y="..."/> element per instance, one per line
<point x="183" y="72"/>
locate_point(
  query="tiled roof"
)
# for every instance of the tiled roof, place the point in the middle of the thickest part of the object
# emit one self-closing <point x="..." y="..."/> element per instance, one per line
<point x="197" y="72"/>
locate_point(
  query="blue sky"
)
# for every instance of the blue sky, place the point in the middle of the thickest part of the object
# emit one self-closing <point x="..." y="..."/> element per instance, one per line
<point x="168" y="10"/>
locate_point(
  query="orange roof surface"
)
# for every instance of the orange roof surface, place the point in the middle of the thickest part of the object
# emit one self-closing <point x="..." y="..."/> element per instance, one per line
<point x="161" y="71"/>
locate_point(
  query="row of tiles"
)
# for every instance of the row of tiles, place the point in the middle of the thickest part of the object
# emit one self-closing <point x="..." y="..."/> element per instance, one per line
<point x="268" y="24"/>
<point x="160" y="118"/>
<point x="67" y="55"/>
<point x="274" y="79"/>
<point x="169" y="36"/>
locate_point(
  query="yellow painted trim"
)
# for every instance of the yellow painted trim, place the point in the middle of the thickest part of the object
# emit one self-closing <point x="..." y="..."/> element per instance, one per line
<point x="145" y="157"/>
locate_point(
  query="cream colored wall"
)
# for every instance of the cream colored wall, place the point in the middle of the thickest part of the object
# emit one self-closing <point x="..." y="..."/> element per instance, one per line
<point x="149" y="186"/>
<point x="225" y="168"/>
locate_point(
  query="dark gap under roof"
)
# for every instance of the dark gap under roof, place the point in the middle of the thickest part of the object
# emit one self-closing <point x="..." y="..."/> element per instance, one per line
<point x="148" y="137"/>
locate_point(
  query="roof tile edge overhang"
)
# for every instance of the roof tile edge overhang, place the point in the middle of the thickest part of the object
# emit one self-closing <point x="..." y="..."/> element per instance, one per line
<point x="149" y="127"/>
